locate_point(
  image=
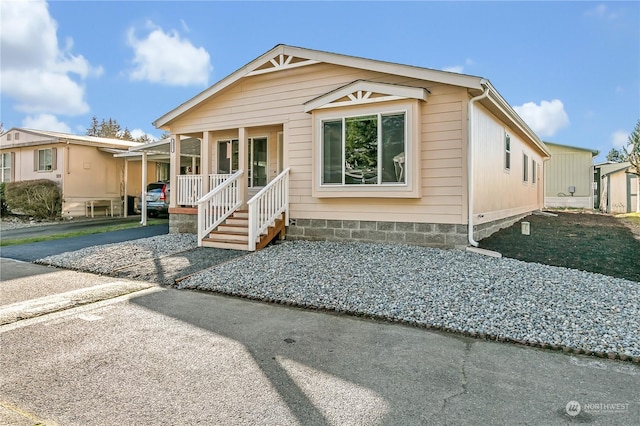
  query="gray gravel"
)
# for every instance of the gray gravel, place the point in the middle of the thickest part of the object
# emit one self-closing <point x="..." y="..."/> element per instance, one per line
<point x="445" y="289"/>
<point x="161" y="259"/>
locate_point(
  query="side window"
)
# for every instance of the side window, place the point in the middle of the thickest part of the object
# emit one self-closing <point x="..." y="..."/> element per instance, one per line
<point x="525" y="168"/>
<point x="507" y="152"/>
<point x="534" y="173"/>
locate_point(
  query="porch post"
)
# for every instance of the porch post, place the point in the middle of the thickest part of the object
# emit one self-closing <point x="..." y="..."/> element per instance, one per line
<point x="126" y="178"/>
<point x="143" y="199"/>
<point x="174" y="169"/>
<point x="243" y="164"/>
<point x="205" y="163"/>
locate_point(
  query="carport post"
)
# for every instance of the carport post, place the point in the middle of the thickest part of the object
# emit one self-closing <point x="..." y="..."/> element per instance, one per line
<point x="143" y="196"/>
<point x="126" y="178"/>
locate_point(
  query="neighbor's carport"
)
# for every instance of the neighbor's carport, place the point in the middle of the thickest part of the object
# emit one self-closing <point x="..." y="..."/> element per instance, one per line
<point x="158" y="151"/>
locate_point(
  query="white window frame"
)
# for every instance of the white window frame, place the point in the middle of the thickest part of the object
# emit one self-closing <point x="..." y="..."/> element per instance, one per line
<point x="230" y="143"/>
<point x="9" y="136"/>
<point x="525" y="168"/>
<point x="410" y="188"/>
<point x="6" y="160"/>
<point x="39" y="167"/>
<point x="507" y="152"/>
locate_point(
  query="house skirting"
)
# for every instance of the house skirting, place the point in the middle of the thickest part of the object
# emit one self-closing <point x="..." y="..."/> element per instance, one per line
<point x="422" y="234"/>
<point x="183" y="223"/>
<point x="569" y="202"/>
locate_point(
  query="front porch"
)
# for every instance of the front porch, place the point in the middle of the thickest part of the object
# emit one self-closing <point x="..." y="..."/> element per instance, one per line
<point x="232" y="194"/>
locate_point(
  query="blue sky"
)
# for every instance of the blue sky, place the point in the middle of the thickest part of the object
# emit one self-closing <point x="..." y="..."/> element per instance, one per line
<point x="570" y="69"/>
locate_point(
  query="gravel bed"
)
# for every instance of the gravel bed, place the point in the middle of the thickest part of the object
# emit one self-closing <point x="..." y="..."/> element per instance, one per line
<point x="453" y="290"/>
<point x="108" y="258"/>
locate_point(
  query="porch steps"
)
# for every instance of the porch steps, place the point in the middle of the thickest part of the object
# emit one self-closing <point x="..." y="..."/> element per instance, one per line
<point x="233" y="234"/>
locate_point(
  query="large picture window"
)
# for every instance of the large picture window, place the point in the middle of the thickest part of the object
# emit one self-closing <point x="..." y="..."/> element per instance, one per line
<point x="364" y="150"/>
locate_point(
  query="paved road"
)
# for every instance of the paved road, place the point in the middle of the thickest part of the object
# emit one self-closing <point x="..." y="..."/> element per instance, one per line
<point x="65" y="227"/>
<point x="31" y="252"/>
<point x="164" y="356"/>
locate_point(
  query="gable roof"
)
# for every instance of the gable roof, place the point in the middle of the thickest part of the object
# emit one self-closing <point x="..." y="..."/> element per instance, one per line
<point x="59" y="137"/>
<point x="283" y="57"/>
<point x="286" y="57"/>
<point x="593" y="152"/>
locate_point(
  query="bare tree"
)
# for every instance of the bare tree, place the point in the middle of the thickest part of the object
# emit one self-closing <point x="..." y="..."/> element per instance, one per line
<point x="632" y="152"/>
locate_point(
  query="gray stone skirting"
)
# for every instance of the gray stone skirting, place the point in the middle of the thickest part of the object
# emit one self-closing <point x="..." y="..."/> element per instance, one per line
<point x="180" y="223"/>
<point x="422" y="234"/>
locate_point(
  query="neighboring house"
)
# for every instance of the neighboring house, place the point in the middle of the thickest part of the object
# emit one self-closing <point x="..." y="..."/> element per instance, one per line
<point x="569" y="177"/>
<point x="351" y="149"/>
<point x="617" y="187"/>
<point x="83" y="166"/>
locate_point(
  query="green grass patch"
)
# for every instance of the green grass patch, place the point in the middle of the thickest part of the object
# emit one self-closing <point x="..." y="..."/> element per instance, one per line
<point x="97" y="230"/>
<point x="585" y="241"/>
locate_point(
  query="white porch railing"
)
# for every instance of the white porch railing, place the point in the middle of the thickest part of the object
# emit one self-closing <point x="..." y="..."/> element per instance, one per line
<point x="190" y="187"/>
<point x="217" y="178"/>
<point x="267" y="205"/>
<point x="218" y="204"/>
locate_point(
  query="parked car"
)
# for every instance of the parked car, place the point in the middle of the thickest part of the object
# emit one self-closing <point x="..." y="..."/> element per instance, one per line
<point x="157" y="198"/>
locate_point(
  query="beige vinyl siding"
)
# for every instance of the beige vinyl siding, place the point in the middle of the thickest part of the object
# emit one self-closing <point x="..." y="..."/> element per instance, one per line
<point x="279" y="97"/>
<point x="498" y="192"/>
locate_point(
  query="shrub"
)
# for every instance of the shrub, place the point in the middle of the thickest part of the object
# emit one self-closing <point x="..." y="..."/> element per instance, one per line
<point x="3" y="201"/>
<point x="40" y="198"/>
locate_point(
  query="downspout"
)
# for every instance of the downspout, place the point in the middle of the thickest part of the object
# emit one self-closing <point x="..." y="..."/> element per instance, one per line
<point x="470" y="161"/>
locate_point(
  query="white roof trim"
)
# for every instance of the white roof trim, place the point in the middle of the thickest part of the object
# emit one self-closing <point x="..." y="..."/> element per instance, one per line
<point x="359" y="92"/>
<point x="409" y="71"/>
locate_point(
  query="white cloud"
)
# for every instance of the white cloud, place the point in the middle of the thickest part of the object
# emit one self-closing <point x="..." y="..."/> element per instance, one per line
<point x="45" y="122"/>
<point x="619" y="139"/>
<point x="166" y="58"/>
<point x="455" y="68"/>
<point x="136" y="133"/>
<point x="544" y="119"/>
<point x="459" y="68"/>
<point x="601" y="11"/>
<point x="35" y="71"/>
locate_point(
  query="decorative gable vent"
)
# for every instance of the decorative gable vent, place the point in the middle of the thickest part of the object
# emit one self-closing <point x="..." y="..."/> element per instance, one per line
<point x="362" y="92"/>
<point x="282" y="62"/>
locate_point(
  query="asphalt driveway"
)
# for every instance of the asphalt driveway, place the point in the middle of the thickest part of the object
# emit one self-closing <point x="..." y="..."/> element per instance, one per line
<point x="34" y="251"/>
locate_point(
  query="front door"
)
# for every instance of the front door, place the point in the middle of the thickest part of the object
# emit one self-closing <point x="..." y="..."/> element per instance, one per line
<point x="257" y="160"/>
<point x="257" y="168"/>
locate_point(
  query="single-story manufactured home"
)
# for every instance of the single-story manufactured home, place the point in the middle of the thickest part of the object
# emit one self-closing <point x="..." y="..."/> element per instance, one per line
<point x="569" y="177"/>
<point x="335" y="147"/>
<point x="617" y="187"/>
<point x="92" y="181"/>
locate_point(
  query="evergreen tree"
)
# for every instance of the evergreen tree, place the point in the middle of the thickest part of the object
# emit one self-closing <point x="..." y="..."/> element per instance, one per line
<point x="94" y="129"/>
<point x="616" y="155"/>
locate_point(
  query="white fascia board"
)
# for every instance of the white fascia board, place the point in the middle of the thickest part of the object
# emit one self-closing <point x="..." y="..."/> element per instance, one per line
<point x="452" y="78"/>
<point x="393" y="92"/>
<point x="445" y="77"/>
